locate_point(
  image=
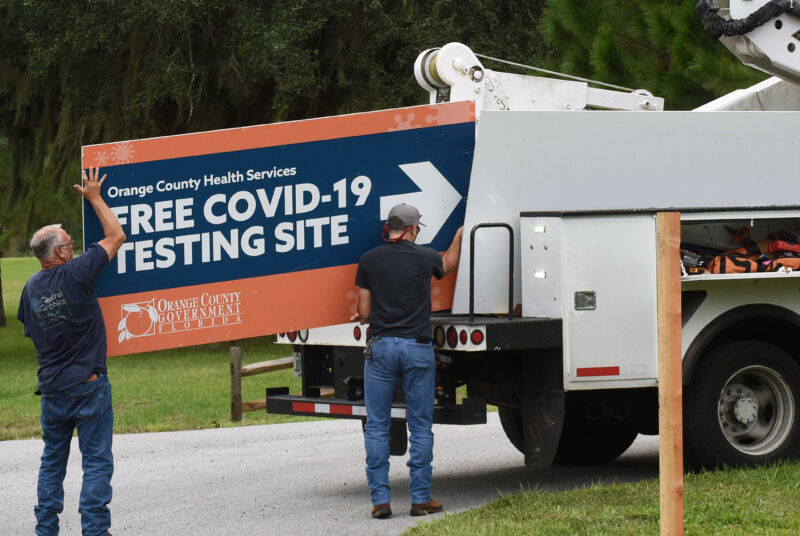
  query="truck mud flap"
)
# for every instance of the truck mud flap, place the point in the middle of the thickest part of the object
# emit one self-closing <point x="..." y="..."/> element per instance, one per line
<point x="471" y="411"/>
<point x="543" y="418"/>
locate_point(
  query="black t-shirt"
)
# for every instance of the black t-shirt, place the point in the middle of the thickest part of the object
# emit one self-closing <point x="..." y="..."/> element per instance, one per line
<point x="61" y="315"/>
<point x="398" y="274"/>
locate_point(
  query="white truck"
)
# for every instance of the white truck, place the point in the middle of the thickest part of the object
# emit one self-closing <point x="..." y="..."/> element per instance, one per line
<point x="554" y="312"/>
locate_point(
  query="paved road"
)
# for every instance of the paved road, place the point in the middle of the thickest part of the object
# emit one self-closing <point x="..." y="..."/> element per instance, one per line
<point x="287" y="479"/>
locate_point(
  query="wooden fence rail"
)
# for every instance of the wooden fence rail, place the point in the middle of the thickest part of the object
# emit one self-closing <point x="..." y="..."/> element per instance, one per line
<point x="238" y="372"/>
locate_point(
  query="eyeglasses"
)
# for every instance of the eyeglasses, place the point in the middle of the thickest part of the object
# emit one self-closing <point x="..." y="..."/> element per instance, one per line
<point x="65" y="245"/>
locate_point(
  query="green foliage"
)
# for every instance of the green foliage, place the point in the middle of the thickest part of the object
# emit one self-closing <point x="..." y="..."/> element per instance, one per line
<point x="77" y="73"/>
<point x="659" y="46"/>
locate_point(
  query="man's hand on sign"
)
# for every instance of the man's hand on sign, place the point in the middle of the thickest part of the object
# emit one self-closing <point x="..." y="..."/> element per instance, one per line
<point x="358" y="318"/>
<point x="91" y="186"/>
<point x="114" y="235"/>
<point x="453" y="253"/>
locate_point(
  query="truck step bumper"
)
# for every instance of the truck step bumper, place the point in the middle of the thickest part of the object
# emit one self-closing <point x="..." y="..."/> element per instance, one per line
<point x="471" y="411"/>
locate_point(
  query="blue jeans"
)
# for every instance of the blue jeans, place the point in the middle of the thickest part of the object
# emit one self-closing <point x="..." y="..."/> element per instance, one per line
<point x="88" y="407"/>
<point x="415" y="364"/>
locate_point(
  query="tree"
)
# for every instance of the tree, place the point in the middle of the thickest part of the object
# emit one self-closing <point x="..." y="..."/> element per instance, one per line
<point x="660" y="46"/>
<point x="77" y="73"/>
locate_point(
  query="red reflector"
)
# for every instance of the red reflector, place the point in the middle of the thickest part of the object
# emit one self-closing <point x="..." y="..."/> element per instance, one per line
<point x="292" y="335"/>
<point x="304" y="407"/>
<point x="357" y="333"/>
<point x="452" y="337"/>
<point x="476" y="336"/>
<point x="597" y="371"/>
<point x="463" y="336"/>
<point x="340" y="409"/>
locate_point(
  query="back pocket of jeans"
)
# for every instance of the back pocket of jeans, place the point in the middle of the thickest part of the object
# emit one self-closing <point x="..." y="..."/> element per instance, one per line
<point x="378" y="348"/>
<point x="421" y="355"/>
<point x="90" y="404"/>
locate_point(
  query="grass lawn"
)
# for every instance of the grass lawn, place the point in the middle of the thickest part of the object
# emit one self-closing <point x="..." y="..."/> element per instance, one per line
<point x="739" y="501"/>
<point x="176" y="389"/>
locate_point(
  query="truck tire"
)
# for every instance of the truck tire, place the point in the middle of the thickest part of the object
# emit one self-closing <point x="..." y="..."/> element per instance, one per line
<point x="511" y="419"/>
<point x="583" y="441"/>
<point x="586" y="441"/>
<point x="742" y="406"/>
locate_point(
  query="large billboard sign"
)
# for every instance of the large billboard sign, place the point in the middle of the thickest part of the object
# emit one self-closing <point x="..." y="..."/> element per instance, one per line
<point x="252" y="231"/>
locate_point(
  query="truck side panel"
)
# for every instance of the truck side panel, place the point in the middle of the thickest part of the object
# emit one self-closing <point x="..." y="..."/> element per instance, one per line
<point x="557" y="161"/>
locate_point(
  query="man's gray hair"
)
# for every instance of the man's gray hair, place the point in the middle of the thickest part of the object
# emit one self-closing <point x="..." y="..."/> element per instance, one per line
<point x="45" y="240"/>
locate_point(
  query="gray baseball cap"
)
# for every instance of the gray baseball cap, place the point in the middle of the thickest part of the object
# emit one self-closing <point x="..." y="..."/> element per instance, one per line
<point x="405" y="215"/>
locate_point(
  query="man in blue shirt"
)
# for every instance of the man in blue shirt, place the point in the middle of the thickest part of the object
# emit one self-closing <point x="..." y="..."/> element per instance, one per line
<point x="63" y="318"/>
<point x="394" y="295"/>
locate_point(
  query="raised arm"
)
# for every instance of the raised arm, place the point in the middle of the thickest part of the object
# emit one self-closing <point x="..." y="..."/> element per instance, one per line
<point x="114" y="235"/>
<point x="453" y="253"/>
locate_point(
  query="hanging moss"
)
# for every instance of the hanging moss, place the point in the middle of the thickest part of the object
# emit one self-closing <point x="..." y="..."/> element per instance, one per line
<point x="78" y="73"/>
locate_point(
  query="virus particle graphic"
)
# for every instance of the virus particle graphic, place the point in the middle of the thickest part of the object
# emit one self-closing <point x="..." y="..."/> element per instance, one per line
<point x="404" y="123"/>
<point x="122" y="153"/>
<point x="444" y="116"/>
<point x="101" y="158"/>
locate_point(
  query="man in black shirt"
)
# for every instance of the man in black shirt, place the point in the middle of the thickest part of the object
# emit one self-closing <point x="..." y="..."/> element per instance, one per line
<point x="394" y="281"/>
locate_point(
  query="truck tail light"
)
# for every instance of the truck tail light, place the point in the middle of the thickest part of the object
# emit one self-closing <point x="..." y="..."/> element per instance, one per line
<point x="292" y="335"/>
<point x="302" y="335"/>
<point x="357" y="333"/>
<point x="452" y="337"/>
<point x="463" y="336"/>
<point x="438" y="336"/>
<point x="476" y="336"/>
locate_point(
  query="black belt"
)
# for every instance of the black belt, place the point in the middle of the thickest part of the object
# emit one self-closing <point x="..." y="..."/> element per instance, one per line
<point x="420" y="340"/>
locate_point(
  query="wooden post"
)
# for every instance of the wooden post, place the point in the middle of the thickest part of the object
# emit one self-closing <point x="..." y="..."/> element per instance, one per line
<point x="236" y="383"/>
<point x="670" y="386"/>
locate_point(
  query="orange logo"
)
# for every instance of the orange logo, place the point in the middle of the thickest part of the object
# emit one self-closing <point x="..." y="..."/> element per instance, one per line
<point x="138" y="320"/>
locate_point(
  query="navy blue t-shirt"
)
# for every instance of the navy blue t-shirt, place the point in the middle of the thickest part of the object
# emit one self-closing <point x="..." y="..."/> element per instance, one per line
<point x="61" y="315"/>
<point x="398" y="276"/>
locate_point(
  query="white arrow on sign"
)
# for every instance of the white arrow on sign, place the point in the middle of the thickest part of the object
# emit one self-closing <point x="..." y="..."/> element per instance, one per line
<point x="435" y="201"/>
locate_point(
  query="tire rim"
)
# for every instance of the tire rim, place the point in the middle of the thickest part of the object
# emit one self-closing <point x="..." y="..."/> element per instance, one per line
<point x="756" y="410"/>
